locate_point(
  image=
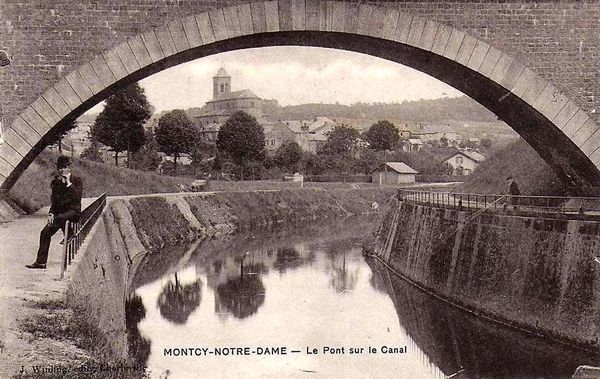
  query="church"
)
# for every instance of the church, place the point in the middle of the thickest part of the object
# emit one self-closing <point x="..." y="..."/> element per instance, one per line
<point x="224" y="103"/>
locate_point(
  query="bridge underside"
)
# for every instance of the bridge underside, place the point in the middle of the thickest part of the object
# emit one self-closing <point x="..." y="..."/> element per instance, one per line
<point x="559" y="150"/>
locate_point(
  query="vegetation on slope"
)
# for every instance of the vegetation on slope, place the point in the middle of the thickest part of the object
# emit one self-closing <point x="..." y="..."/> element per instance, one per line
<point x="520" y="161"/>
<point x="32" y="190"/>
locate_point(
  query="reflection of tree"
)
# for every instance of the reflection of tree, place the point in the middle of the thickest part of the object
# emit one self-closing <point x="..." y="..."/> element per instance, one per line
<point x="176" y="302"/>
<point x="343" y="279"/>
<point x="139" y="347"/>
<point x="242" y="296"/>
<point x="287" y="258"/>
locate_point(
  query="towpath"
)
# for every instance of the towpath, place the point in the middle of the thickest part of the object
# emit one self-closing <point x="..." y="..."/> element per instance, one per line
<point x="21" y="289"/>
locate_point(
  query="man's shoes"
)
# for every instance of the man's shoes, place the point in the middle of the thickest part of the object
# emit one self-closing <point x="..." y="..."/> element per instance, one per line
<point x="36" y="265"/>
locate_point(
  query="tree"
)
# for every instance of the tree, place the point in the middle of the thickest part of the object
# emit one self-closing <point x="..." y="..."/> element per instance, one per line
<point x="61" y="132"/>
<point x="242" y="138"/>
<point x="120" y="125"/>
<point x="340" y="140"/>
<point x="92" y="153"/>
<point x="486" y="143"/>
<point x="382" y="135"/>
<point x="147" y="158"/>
<point x="176" y="134"/>
<point x="288" y="155"/>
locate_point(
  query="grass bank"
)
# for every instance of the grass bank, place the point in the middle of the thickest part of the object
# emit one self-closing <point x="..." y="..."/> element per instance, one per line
<point x="32" y="190"/>
<point x="520" y="161"/>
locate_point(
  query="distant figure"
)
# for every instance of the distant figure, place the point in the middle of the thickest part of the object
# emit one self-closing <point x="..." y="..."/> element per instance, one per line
<point x="375" y="206"/>
<point x="513" y="190"/>
<point x="67" y="190"/>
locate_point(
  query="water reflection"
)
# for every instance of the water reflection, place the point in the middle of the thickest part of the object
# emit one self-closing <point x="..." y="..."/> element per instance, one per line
<point x="312" y="288"/>
<point x="176" y="301"/>
<point x="457" y="342"/>
<point x="138" y="346"/>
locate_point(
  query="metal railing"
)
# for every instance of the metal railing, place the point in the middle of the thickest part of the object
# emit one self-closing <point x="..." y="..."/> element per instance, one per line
<point x="75" y="232"/>
<point x="553" y="204"/>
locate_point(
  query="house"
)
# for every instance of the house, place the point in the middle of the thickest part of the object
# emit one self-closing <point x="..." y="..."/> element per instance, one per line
<point x="412" y="144"/>
<point x="276" y="133"/>
<point x="393" y="173"/>
<point x="464" y="162"/>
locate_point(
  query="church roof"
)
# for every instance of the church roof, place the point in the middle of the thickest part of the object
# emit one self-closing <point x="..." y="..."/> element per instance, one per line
<point x="243" y="94"/>
<point x="222" y="73"/>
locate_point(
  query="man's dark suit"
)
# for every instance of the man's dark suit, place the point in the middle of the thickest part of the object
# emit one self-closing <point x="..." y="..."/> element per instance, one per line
<point x="66" y="205"/>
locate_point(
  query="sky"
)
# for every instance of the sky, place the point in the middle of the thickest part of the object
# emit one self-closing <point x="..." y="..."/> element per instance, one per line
<point x="294" y="75"/>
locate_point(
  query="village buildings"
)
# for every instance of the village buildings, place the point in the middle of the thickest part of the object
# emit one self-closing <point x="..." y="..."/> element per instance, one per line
<point x="463" y="162"/>
<point x="393" y="173"/>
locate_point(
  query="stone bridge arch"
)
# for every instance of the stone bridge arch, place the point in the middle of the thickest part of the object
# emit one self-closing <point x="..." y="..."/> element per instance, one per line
<point x="553" y="124"/>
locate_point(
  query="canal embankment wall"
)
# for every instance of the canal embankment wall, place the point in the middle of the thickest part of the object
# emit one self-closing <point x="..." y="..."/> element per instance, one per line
<point x="536" y="273"/>
<point x="136" y="228"/>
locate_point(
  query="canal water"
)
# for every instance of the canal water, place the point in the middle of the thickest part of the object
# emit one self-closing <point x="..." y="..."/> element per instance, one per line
<point x="304" y="303"/>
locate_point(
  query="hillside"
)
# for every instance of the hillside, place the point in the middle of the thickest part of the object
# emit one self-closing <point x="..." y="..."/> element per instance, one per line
<point x="520" y="161"/>
<point x="32" y="190"/>
<point x="458" y="108"/>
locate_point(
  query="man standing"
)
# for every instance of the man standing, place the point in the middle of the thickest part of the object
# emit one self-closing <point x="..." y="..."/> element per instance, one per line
<point x="513" y="190"/>
<point x="67" y="190"/>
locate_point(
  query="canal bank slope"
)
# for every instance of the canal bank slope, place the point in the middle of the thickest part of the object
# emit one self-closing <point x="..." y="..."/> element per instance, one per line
<point x="137" y="228"/>
<point x="533" y="273"/>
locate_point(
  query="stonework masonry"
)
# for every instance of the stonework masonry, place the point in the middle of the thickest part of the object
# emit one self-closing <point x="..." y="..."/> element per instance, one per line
<point x="534" y="64"/>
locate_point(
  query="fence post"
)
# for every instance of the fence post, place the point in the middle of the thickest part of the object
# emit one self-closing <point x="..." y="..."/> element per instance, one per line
<point x="63" y="266"/>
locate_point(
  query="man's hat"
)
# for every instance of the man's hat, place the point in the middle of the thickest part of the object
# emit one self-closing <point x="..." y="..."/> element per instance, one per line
<point x="63" y="161"/>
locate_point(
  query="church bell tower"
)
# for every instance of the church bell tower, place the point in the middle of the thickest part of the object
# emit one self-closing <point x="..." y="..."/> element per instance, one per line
<point x="221" y="84"/>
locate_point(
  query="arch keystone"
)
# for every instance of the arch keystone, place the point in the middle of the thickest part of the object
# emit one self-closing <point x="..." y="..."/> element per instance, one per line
<point x="298" y="15"/>
<point x="272" y="16"/>
<point x="259" y="18"/>
<point x="245" y="14"/>
<point x="231" y="18"/>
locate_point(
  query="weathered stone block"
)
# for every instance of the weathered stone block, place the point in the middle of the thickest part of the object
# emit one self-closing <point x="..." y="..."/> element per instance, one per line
<point x="454" y="44"/>
<point x="56" y="102"/>
<point x="91" y="78"/>
<point x="523" y="81"/>
<point x="490" y="61"/>
<point x="245" y="15"/>
<point x="390" y="22"/>
<point x="563" y="117"/>
<point x="416" y="31"/>
<point x="16" y="142"/>
<point x="33" y="119"/>
<point x="298" y="15"/>
<point x="365" y="19"/>
<point x="153" y="46"/>
<point x="341" y="18"/>
<point x="10" y="155"/>
<point x="29" y="134"/>
<point x="285" y="14"/>
<point x="114" y="63"/>
<point x="41" y="106"/>
<point x="139" y="51"/>
<point x="575" y="123"/>
<point x="313" y="14"/>
<point x="166" y="41"/>
<point x="79" y="85"/>
<point x="204" y="26"/>
<point x="466" y="49"/>
<point x="441" y="39"/>
<point x="585" y="132"/>
<point x="232" y="21"/>
<point x="127" y="58"/>
<point x="272" y="16"/>
<point x="5" y="169"/>
<point x="178" y="35"/>
<point x="512" y="74"/>
<point x="259" y="19"/>
<point x="536" y="86"/>
<point x="478" y="55"/>
<point x="428" y="36"/>
<point x="190" y="27"/>
<point x="555" y="105"/>
<point x="592" y="143"/>
<point x="501" y="68"/>
<point x="403" y="27"/>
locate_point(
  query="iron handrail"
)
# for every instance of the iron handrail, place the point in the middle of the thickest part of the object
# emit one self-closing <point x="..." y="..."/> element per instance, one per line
<point x="460" y="200"/>
<point x="76" y="232"/>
